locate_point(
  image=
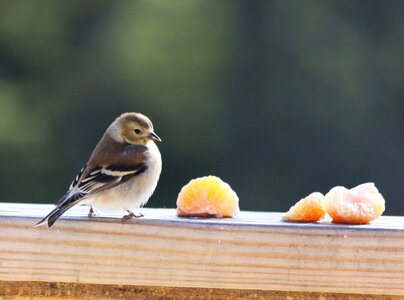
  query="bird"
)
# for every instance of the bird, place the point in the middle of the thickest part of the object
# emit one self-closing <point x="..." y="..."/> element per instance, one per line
<point x="121" y="173"/>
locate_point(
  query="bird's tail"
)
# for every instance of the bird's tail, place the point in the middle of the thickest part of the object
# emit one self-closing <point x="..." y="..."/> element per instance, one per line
<point x="55" y="214"/>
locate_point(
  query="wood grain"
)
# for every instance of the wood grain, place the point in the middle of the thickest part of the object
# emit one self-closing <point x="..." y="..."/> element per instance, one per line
<point x="50" y="290"/>
<point x="256" y="251"/>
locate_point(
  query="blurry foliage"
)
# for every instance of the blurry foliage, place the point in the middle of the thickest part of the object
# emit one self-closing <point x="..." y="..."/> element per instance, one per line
<point x="279" y="98"/>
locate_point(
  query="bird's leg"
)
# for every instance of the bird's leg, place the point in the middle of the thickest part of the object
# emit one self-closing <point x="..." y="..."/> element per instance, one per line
<point x="131" y="215"/>
<point x="91" y="212"/>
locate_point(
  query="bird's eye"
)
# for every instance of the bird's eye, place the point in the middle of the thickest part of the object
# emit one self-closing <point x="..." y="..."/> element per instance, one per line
<point x="137" y="131"/>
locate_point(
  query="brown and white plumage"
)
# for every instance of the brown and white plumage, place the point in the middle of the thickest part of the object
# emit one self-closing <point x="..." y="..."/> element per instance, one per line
<point x="122" y="172"/>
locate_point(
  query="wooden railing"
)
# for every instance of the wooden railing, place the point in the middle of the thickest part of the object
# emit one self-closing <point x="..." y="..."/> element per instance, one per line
<point x="161" y="256"/>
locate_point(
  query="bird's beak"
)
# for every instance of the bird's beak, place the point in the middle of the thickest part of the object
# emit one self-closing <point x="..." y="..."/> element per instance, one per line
<point x="154" y="137"/>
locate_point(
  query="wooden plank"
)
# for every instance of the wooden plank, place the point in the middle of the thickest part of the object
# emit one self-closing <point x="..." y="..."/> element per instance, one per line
<point x="253" y="252"/>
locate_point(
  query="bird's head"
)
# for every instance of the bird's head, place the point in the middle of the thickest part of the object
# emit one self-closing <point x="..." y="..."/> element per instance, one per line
<point x="133" y="128"/>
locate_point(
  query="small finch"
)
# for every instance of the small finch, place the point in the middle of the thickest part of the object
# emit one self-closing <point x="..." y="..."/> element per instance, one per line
<point x="121" y="174"/>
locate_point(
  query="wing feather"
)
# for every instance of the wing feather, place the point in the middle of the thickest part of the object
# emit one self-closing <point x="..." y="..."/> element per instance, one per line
<point x="104" y="171"/>
<point x="103" y="178"/>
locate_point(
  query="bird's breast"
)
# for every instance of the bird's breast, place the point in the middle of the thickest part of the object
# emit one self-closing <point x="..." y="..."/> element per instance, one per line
<point x="136" y="191"/>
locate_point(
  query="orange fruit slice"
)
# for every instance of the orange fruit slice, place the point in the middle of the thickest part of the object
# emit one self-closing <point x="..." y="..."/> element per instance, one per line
<point x="309" y="209"/>
<point x="207" y="196"/>
<point x="359" y="205"/>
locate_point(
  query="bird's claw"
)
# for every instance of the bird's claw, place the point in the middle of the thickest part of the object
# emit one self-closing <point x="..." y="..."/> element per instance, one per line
<point x="91" y="212"/>
<point x="131" y="215"/>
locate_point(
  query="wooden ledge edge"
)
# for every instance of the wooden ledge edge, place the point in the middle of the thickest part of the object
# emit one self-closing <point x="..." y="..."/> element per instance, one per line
<point x="36" y="212"/>
<point x="59" y="290"/>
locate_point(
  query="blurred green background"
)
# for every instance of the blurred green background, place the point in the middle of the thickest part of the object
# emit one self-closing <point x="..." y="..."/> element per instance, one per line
<point x="278" y="98"/>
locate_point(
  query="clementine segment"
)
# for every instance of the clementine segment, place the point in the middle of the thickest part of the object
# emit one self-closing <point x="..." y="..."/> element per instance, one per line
<point x="359" y="205"/>
<point x="309" y="209"/>
<point x="207" y="196"/>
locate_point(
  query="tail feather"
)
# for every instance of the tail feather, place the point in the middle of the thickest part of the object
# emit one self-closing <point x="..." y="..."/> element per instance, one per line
<point x="54" y="215"/>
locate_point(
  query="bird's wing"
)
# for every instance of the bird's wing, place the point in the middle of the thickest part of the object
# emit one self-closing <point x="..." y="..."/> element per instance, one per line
<point x="105" y="170"/>
<point x="98" y="179"/>
<point x="72" y="186"/>
<point x="108" y="167"/>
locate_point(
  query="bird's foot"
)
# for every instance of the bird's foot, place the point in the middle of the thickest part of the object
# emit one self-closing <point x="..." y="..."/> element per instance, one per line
<point x="91" y="212"/>
<point x="130" y="215"/>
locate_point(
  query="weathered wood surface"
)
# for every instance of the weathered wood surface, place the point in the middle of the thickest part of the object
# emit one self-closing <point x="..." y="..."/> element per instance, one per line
<point x="50" y="290"/>
<point x="256" y="251"/>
